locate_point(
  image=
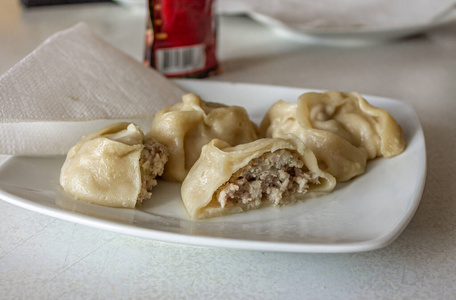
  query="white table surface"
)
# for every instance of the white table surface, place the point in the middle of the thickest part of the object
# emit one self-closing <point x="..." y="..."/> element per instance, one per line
<point x="46" y="258"/>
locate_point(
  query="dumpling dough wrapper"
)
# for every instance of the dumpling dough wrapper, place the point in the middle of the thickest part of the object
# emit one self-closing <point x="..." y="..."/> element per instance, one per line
<point x="271" y="171"/>
<point x="350" y="116"/>
<point x="184" y="128"/>
<point x="115" y="166"/>
<point x="342" y="129"/>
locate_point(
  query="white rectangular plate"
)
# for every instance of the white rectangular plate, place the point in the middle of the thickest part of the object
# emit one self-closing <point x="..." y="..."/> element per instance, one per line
<point x="366" y="213"/>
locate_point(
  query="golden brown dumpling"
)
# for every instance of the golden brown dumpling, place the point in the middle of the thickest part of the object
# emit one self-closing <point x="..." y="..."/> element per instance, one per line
<point x="114" y="166"/>
<point x="184" y="128"/>
<point x="270" y="171"/>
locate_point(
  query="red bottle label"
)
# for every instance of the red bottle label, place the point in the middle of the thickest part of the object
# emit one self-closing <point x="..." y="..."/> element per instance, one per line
<point x="181" y="38"/>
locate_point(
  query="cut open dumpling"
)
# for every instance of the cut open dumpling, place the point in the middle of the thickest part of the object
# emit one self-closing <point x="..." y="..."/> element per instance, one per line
<point x="271" y="171"/>
<point x="115" y="166"/>
<point x="184" y="128"/>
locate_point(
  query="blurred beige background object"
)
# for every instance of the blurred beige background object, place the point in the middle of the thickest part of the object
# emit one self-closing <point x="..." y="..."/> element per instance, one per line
<point x="343" y="15"/>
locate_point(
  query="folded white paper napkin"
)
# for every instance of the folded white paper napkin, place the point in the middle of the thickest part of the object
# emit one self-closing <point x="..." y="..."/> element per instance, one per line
<point x="344" y="15"/>
<point x="71" y="85"/>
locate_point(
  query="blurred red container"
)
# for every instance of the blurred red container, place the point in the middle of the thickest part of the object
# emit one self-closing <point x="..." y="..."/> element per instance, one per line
<point x="181" y="38"/>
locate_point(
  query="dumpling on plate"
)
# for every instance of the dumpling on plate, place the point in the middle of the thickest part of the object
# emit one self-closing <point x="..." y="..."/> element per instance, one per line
<point x="342" y="129"/>
<point x="270" y="171"/>
<point x="334" y="154"/>
<point x="115" y="166"/>
<point x="184" y="128"/>
<point x="350" y="116"/>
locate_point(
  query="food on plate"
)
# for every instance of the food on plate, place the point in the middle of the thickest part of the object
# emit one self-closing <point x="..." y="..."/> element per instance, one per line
<point x="350" y="116"/>
<point x="342" y="129"/>
<point x="184" y="128"/>
<point x="114" y="166"/>
<point x="334" y="154"/>
<point x="271" y="171"/>
<point x="223" y="164"/>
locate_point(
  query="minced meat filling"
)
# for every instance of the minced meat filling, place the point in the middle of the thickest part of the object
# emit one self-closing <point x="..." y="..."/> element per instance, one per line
<point x="270" y="177"/>
<point x="152" y="162"/>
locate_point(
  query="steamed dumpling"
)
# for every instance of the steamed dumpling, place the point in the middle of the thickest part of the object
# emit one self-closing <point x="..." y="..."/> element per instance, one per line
<point x="342" y="129"/>
<point x="271" y="171"/>
<point x="114" y="166"/>
<point x="334" y="154"/>
<point x="350" y="116"/>
<point x="184" y="128"/>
